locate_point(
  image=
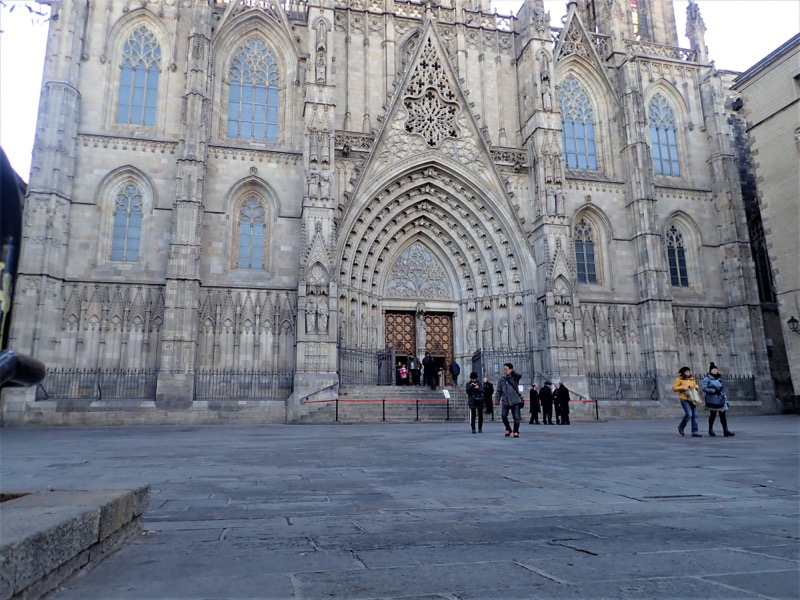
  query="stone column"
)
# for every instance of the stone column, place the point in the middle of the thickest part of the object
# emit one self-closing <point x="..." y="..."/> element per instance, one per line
<point x="181" y="297"/>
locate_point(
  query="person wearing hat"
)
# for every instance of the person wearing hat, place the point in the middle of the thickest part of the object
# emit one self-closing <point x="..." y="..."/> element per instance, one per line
<point x="546" y="398"/>
<point x="683" y="382"/>
<point x="716" y="400"/>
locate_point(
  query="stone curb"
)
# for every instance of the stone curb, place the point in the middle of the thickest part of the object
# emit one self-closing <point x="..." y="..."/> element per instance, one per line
<point x="46" y="536"/>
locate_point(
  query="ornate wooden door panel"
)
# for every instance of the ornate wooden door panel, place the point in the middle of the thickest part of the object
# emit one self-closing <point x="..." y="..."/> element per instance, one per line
<point x="400" y="332"/>
<point x="439" y="335"/>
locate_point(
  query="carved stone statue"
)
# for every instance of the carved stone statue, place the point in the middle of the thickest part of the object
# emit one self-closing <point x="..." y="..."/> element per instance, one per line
<point x="472" y="334"/>
<point x="560" y="202"/>
<point x="313" y="183"/>
<point x="311" y="317"/>
<point x="504" y="339"/>
<point x="519" y="330"/>
<point x="488" y="341"/>
<point x="322" y="318"/>
<point x="420" y="332"/>
<point x="551" y="201"/>
<point x="321" y="68"/>
<point x="324" y="184"/>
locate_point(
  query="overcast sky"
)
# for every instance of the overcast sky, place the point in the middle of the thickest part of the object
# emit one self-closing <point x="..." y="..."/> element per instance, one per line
<point x="739" y="33"/>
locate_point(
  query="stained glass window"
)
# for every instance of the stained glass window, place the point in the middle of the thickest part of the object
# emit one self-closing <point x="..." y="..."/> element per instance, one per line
<point x="662" y="137"/>
<point x="252" y="230"/>
<point x="138" y="88"/>
<point x="127" y="231"/>
<point x="584" y="252"/>
<point x="253" y="93"/>
<point x="676" y="255"/>
<point x="577" y="122"/>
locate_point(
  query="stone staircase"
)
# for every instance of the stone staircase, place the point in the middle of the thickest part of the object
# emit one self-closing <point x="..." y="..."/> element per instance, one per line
<point x="392" y="404"/>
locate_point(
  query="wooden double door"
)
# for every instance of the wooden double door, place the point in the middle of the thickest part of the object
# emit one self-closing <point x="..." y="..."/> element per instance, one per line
<point x="402" y="334"/>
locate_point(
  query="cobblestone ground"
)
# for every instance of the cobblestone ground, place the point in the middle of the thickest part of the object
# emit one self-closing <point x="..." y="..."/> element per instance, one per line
<point x="625" y="509"/>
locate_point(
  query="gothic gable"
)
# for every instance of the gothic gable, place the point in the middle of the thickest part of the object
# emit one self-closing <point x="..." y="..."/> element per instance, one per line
<point x="575" y="43"/>
<point x="430" y="118"/>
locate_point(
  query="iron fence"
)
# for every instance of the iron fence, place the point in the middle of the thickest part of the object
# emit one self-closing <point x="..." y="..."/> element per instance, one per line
<point x="359" y="366"/>
<point x="740" y="388"/>
<point x="243" y="385"/>
<point x="98" y="384"/>
<point x="622" y="386"/>
<point x="489" y="363"/>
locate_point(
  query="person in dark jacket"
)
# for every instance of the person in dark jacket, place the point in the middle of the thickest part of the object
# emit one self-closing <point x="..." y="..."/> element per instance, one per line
<point x="509" y="396"/>
<point x="488" y="393"/>
<point x="534" y="398"/>
<point x="455" y="371"/>
<point x="476" y="402"/>
<point x="546" y="399"/>
<point x="716" y="400"/>
<point x="429" y="370"/>
<point x="562" y="402"/>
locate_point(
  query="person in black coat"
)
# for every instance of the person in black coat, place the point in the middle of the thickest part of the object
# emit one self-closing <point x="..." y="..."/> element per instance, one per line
<point x="429" y="370"/>
<point x="562" y="401"/>
<point x="488" y="396"/>
<point x="476" y="402"/>
<point x="546" y="399"/>
<point x="534" y="398"/>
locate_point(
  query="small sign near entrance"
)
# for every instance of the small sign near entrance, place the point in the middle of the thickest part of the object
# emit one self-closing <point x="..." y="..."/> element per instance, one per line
<point x="446" y="394"/>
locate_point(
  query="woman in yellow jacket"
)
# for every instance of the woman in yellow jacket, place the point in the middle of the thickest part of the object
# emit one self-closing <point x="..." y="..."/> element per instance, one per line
<point x="682" y="383"/>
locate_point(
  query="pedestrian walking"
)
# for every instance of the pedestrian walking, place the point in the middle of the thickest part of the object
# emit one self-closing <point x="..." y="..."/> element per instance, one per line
<point x="413" y="367"/>
<point x="488" y="394"/>
<point x="546" y="400"/>
<point x="533" y="396"/>
<point x="476" y="402"/>
<point x="509" y="396"/>
<point x="683" y="383"/>
<point x="562" y="402"/>
<point x="716" y="400"/>
<point x="455" y="371"/>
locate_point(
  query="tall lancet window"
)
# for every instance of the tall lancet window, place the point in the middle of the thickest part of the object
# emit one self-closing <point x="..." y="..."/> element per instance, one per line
<point x="577" y="126"/>
<point x="127" y="229"/>
<point x="662" y="137"/>
<point x="676" y="255"/>
<point x="253" y="93"/>
<point x="252" y="234"/>
<point x="584" y="252"/>
<point x="138" y="88"/>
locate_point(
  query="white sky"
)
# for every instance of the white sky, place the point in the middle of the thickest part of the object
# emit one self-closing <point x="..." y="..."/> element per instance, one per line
<point x="739" y="33"/>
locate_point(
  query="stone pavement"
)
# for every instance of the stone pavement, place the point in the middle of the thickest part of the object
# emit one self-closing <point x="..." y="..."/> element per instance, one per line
<point x="624" y="509"/>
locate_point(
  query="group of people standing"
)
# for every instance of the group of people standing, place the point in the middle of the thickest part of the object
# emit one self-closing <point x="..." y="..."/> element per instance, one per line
<point x="547" y="399"/>
<point x="715" y="401"/>
<point x="482" y="397"/>
<point x="423" y="372"/>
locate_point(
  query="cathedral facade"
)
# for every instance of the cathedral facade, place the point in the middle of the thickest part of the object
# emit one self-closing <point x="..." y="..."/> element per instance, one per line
<point x="264" y="186"/>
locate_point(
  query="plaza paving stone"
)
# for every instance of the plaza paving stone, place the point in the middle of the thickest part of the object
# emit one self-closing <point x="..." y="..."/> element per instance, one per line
<point x="623" y="509"/>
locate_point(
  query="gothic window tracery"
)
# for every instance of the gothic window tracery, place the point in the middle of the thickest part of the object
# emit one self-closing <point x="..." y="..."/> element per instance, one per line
<point x="140" y="71"/>
<point x="676" y="255"/>
<point x="577" y="121"/>
<point x="584" y="251"/>
<point x="417" y="274"/>
<point x="251" y="238"/>
<point x="662" y="137"/>
<point x="431" y="102"/>
<point x="253" y="93"/>
<point x="127" y="230"/>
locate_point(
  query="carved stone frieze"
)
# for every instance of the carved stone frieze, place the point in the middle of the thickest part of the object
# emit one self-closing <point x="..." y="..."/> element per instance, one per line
<point x="126" y="143"/>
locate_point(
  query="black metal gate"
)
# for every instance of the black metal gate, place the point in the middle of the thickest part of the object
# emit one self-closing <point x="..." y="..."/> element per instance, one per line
<point x="359" y="366"/>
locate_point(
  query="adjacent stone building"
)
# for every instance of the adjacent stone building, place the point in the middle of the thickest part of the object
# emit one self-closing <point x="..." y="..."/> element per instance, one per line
<point x="275" y="187"/>
<point x="770" y="92"/>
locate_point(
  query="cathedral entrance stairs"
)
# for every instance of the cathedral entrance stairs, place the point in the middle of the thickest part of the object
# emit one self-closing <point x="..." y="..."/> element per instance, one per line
<point x="392" y="404"/>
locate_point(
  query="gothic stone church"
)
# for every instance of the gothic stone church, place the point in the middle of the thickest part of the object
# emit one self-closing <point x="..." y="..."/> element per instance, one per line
<point x="224" y="189"/>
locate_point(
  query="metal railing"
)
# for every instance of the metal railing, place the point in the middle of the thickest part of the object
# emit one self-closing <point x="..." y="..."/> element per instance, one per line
<point x="360" y="366"/>
<point x="243" y="385"/>
<point x="489" y="363"/>
<point x="98" y="384"/>
<point x="740" y="388"/>
<point x="622" y="386"/>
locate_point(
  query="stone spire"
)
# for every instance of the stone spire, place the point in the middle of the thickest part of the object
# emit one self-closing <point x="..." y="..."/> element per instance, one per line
<point x="695" y="31"/>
